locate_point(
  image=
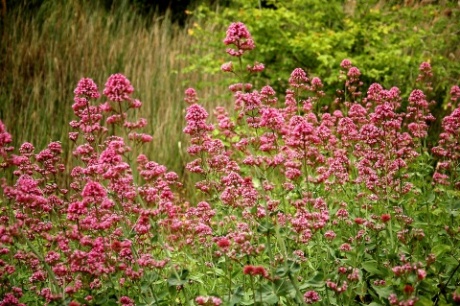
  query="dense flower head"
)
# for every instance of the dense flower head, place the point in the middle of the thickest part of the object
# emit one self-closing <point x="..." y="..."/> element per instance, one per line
<point x="190" y="96"/>
<point x="425" y="67"/>
<point x="5" y="139"/>
<point x="10" y="299"/>
<point x="298" y="78"/>
<point x="208" y="300"/>
<point x="26" y="149"/>
<point x="301" y="132"/>
<point x="385" y="218"/>
<point x="94" y="190"/>
<point x="311" y="297"/>
<point x="257" y="67"/>
<point x="353" y="72"/>
<point x="345" y="64"/>
<point x="118" y="88"/>
<point x="239" y="36"/>
<point x="249" y="102"/>
<point x="316" y="83"/>
<point x="455" y="93"/>
<point x="196" y="120"/>
<point x="255" y="270"/>
<point x="373" y="92"/>
<point x="227" y="67"/>
<point x="87" y="88"/>
<point x="223" y="243"/>
<point x="126" y="301"/>
<point x="26" y="192"/>
<point x="357" y="113"/>
<point x="271" y="118"/>
<point x="418" y="98"/>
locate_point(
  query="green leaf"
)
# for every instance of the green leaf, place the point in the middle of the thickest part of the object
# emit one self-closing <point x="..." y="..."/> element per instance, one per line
<point x="440" y="249"/>
<point x="237" y="296"/>
<point x="294" y="266"/>
<point x="383" y="292"/>
<point x="284" y="288"/>
<point x="431" y="198"/>
<point x="372" y="267"/>
<point x="317" y="281"/>
<point x="178" y="279"/>
<point x="198" y="277"/>
<point x="265" y="227"/>
<point x="266" y="294"/>
<point x="281" y="271"/>
<point x="424" y="301"/>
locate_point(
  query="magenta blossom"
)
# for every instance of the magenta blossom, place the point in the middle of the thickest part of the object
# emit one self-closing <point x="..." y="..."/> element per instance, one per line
<point x="118" y="88"/>
<point x="87" y="88"/>
<point x="311" y="297"/>
<point x="238" y="35"/>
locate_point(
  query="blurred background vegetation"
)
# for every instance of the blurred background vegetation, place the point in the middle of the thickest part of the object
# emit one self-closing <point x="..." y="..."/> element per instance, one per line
<point x="386" y="39"/>
<point x="164" y="47"/>
<point x="49" y="45"/>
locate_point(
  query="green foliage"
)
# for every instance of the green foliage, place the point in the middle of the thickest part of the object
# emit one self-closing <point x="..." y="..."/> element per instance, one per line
<point x="386" y="39"/>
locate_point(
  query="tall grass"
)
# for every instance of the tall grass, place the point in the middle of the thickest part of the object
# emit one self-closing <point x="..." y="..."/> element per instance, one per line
<point x="45" y="54"/>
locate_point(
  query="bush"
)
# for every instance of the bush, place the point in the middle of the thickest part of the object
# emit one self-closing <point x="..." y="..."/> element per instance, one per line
<point x="386" y="39"/>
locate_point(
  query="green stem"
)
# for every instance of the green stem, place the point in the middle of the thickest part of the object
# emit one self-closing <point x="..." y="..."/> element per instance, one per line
<point x="47" y="267"/>
<point x="152" y="292"/>
<point x="229" y="280"/>
<point x="299" y="296"/>
<point x="445" y="286"/>
<point x="253" y="290"/>
<point x="327" y="296"/>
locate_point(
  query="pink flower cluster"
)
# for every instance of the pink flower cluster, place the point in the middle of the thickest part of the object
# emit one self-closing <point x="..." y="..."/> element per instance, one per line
<point x="118" y="88"/>
<point x="82" y="230"/>
<point x="238" y="36"/>
<point x="311" y="297"/>
<point x="5" y="141"/>
<point x="255" y="270"/>
<point x="288" y="193"/>
<point x="208" y="300"/>
<point x="448" y="149"/>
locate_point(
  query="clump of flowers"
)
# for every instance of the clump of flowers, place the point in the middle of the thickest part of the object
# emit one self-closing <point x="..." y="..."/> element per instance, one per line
<point x="293" y="203"/>
<point x="448" y="149"/>
<point x="238" y="36"/>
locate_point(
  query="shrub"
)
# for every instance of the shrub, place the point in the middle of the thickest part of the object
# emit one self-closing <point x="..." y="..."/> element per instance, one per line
<point x="386" y="39"/>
